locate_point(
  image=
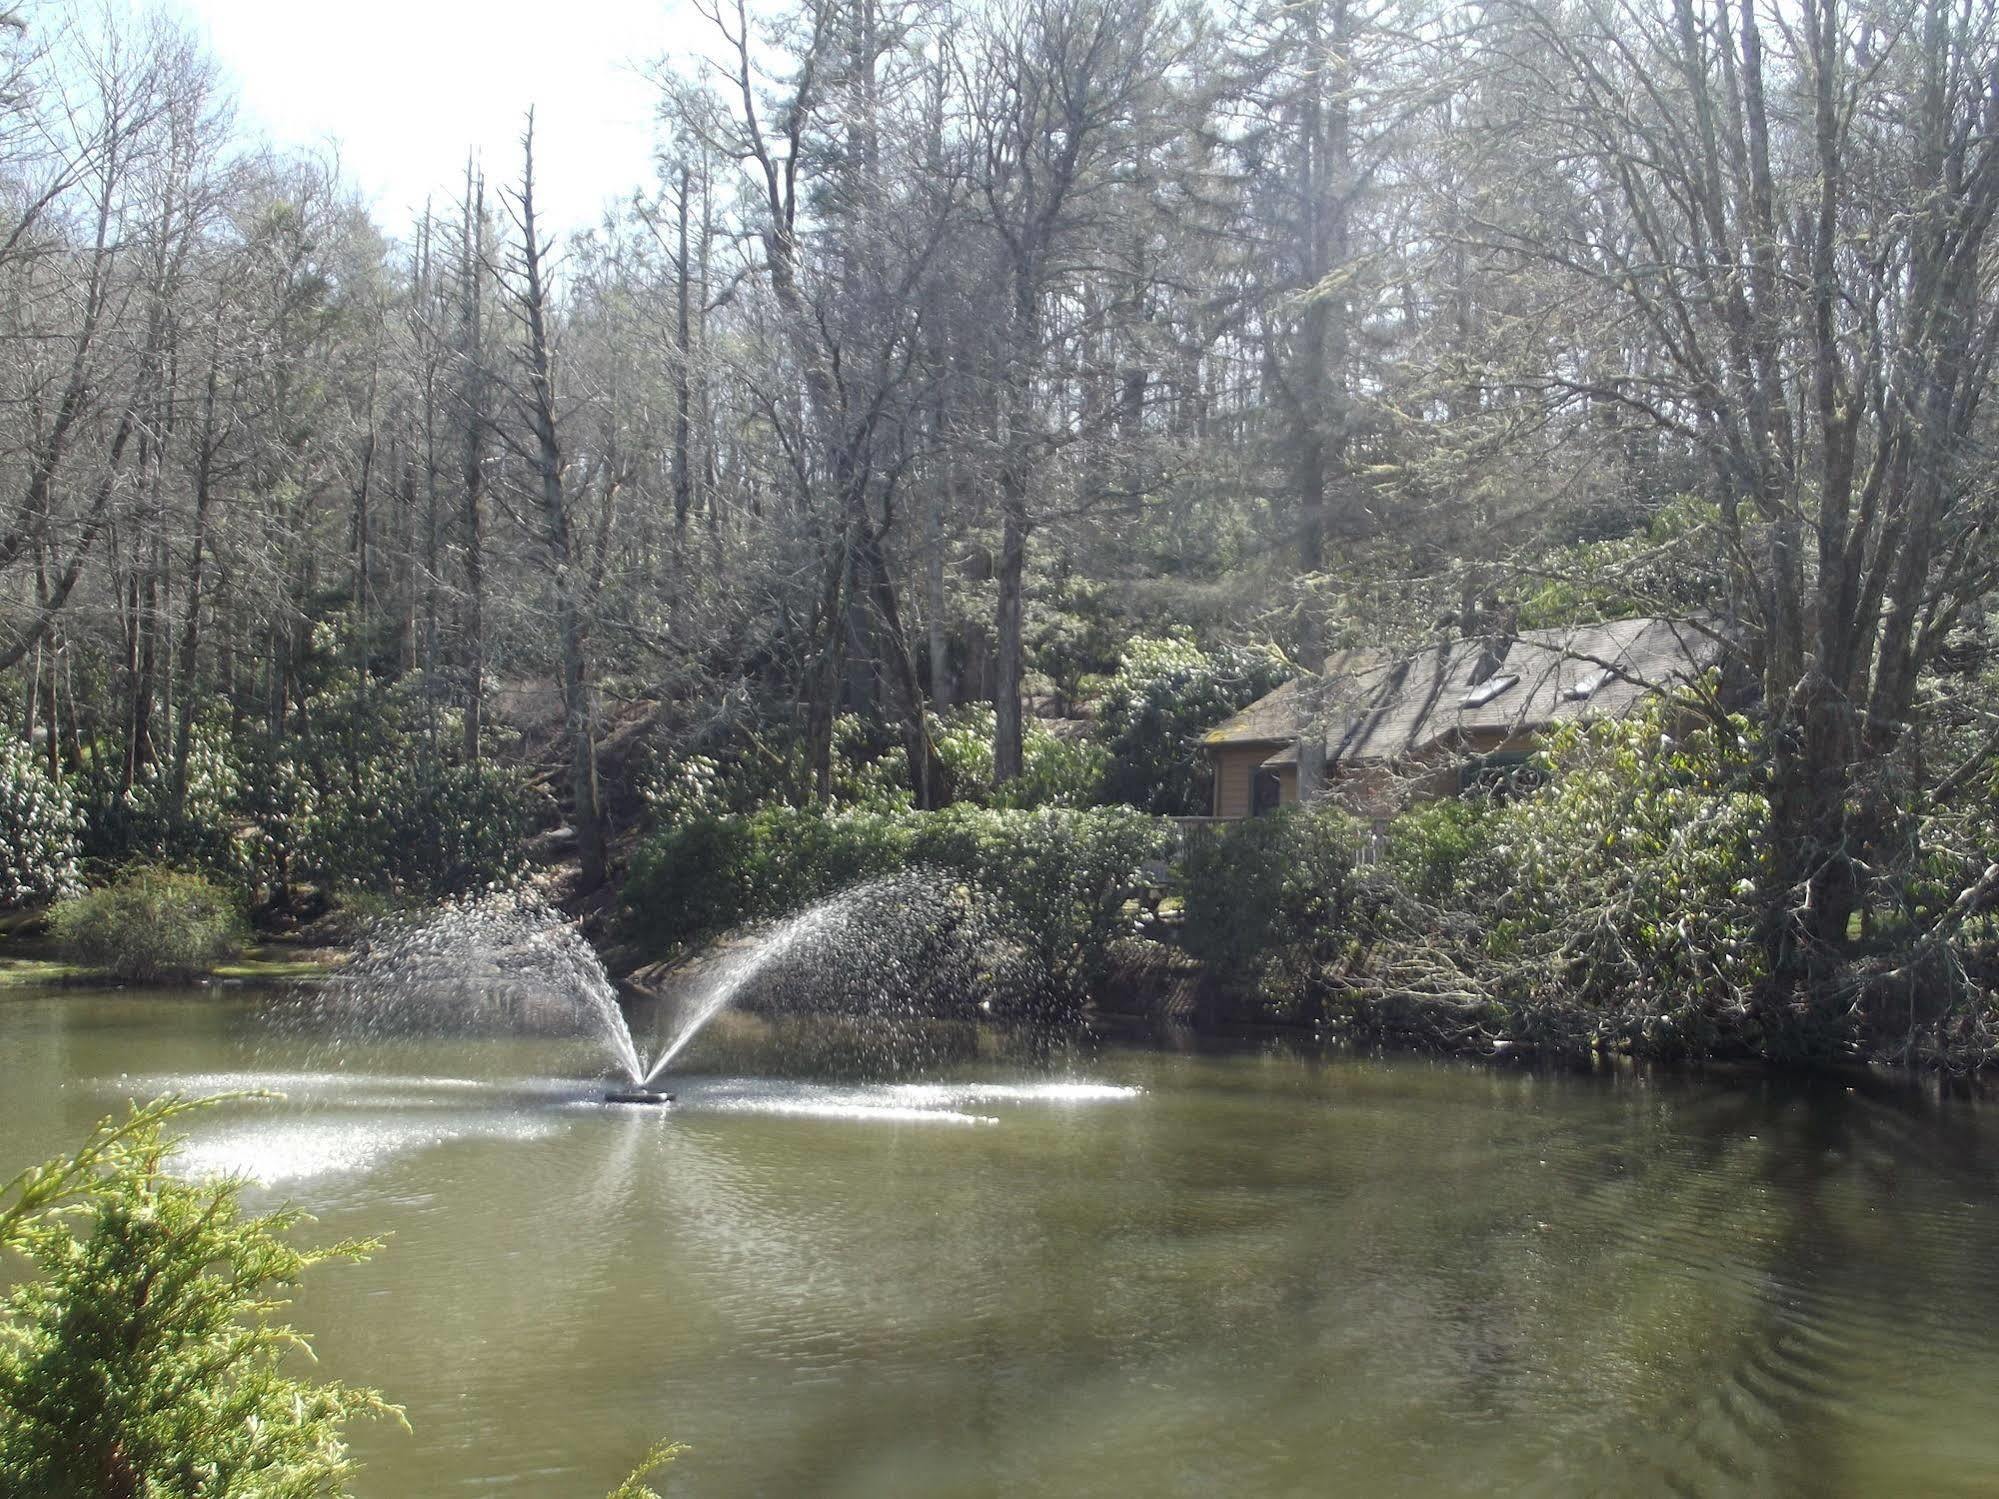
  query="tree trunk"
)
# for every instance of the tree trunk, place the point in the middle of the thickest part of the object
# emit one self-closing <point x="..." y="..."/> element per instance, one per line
<point x="472" y="505"/>
<point x="1008" y="627"/>
<point x="570" y="622"/>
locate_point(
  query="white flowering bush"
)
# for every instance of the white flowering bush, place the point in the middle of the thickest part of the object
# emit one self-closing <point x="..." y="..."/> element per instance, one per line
<point x="685" y="790"/>
<point x="205" y="830"/>
<point x="1632" y="884"/>
<point x="281" y="796"/>
<point x="40" y="829"/>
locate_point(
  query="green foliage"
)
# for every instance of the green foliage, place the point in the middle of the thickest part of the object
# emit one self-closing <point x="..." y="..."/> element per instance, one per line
<point x="699" y="878"/>
<point x="1429" y="845"/>
<point x="142" y="1354"/>
<point x="151" y="925"/>
<point x="1060" y="873"/>
<point x="684" y="789"/>
<point x="40" y="828"/>
<point x="870" y="773"/>
<point x="1165" y="695"/>
<point x="1073" y="634"/>
<point x="204" y="830"/>
<point x="1270" y="900"/>
<point x="1063" y="875"/>
<point x="282" y="802"/>
<point x="424" y="827"/>
<point x="1054" y="771"/>
<point x="1674" y="564"/>
<point x="635" y="1487"/>
<point x="368" y="804"/>
<point x="1634" y="884"/>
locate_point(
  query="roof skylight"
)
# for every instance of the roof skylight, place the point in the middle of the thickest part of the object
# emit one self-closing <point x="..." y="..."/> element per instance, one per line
<point x="1487" y="690"/>
<point x="1584" y="687"/>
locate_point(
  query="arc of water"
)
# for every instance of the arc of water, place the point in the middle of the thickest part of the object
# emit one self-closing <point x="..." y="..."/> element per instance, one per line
<point x="736" y="971"/>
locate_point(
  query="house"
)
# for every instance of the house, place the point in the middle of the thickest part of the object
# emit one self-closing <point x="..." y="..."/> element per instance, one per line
<point x="1380" y="729"/>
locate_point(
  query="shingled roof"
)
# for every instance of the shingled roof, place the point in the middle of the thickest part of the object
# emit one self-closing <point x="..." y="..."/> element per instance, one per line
<point x="1379" y="706"/>
<point x="1278" y="717"/>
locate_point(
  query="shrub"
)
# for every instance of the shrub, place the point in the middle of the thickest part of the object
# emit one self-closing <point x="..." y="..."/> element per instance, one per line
<point x="683" y="789"/>
<point x="699" y="878"/>
<point x="142" y="1355"/>
<point x="1272" y="899"/>
<point x="870" y="768"/>
<point x="40" y="829"/>
<point x="1054" y="772"/>
<point x="1429" y="845"/>
<point x="1166" y="694"/>
<point x="151" y="925"/>
<point x="144" y="823"/>
<point x="426" y="828"/>
<point x="282" y="800"/>
<point x="1632" y="887"/>
<point x="1060" y="876"/>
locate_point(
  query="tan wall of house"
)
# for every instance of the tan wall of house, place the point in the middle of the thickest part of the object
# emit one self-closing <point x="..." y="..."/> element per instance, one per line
<point x="1235" y="769"/>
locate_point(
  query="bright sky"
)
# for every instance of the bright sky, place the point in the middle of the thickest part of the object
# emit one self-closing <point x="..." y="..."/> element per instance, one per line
<point x="406" y="86"/>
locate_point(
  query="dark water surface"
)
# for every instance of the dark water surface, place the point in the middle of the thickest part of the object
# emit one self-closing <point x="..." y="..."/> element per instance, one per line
<point x="1105" y="1271"/>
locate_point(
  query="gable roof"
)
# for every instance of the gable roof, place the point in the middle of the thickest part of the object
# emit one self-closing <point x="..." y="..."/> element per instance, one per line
<point x="1376" y="705"/>
<point x="1278" y="717"/>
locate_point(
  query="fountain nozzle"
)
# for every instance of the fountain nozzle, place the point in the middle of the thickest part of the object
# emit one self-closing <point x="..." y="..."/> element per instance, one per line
<point x="635" y="1095"/>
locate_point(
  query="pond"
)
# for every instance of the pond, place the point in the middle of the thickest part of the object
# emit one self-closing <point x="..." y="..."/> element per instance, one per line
<point x="1094" y="1269"/>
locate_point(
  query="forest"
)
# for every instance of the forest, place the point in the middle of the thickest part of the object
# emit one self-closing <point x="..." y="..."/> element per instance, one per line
<point x="983" y="401"/>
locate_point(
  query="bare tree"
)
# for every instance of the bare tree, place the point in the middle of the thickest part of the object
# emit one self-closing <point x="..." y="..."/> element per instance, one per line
<point x="534" y="395"/>
<point x="1796" y="209"/>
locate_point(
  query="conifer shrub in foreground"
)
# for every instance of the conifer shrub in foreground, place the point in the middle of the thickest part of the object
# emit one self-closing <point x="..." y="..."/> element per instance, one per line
<point x="151" y="926"/>
<point x="141" y="1355"/>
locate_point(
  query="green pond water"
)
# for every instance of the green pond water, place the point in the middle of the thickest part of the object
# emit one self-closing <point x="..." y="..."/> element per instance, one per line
<point x="1085" y="1268"/>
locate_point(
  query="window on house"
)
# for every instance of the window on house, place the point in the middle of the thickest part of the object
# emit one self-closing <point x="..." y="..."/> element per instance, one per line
<point x="1585" y="686"/>
<point x="1265" y="791"/>
<point x="1487" y="690"/>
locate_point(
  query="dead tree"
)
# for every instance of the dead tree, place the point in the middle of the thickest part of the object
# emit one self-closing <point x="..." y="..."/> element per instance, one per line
<point x="534" y="395"/>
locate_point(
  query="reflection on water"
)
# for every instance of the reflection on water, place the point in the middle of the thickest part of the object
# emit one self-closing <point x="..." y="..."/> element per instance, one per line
<point x="1040" y="1269"/>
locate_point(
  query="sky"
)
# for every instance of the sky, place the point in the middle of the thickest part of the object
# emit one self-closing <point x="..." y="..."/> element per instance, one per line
<point x="407" y="86"/>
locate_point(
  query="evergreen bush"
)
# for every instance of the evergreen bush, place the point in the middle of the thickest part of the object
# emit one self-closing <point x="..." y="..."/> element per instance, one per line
<point x="701" y="877"/>
<point x="142" y="1355"/>
<point x="204" y="830"/>
<point x="1165" y="695"/>
<point x="1633" y="881"/>
<point x="1054" y="772"/>
<point x="1619" y="905"/>
<point x="151" y="925"/>
<point x="1429" y="845"/>
<point x="1060" y="875"/>
<point x="421" y="827"/>
<point x="40" y="828"/>
<point x="1270" y="900"/>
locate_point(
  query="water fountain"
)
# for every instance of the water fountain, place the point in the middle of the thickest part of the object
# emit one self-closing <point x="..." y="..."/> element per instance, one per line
<point x="502" y="961"/>
<point x="507" y="962"/>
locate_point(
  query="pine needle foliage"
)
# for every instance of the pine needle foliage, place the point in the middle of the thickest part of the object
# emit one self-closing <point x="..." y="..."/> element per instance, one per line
<point x="142" y="1357"/>
<point x="636" y="1487"/>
